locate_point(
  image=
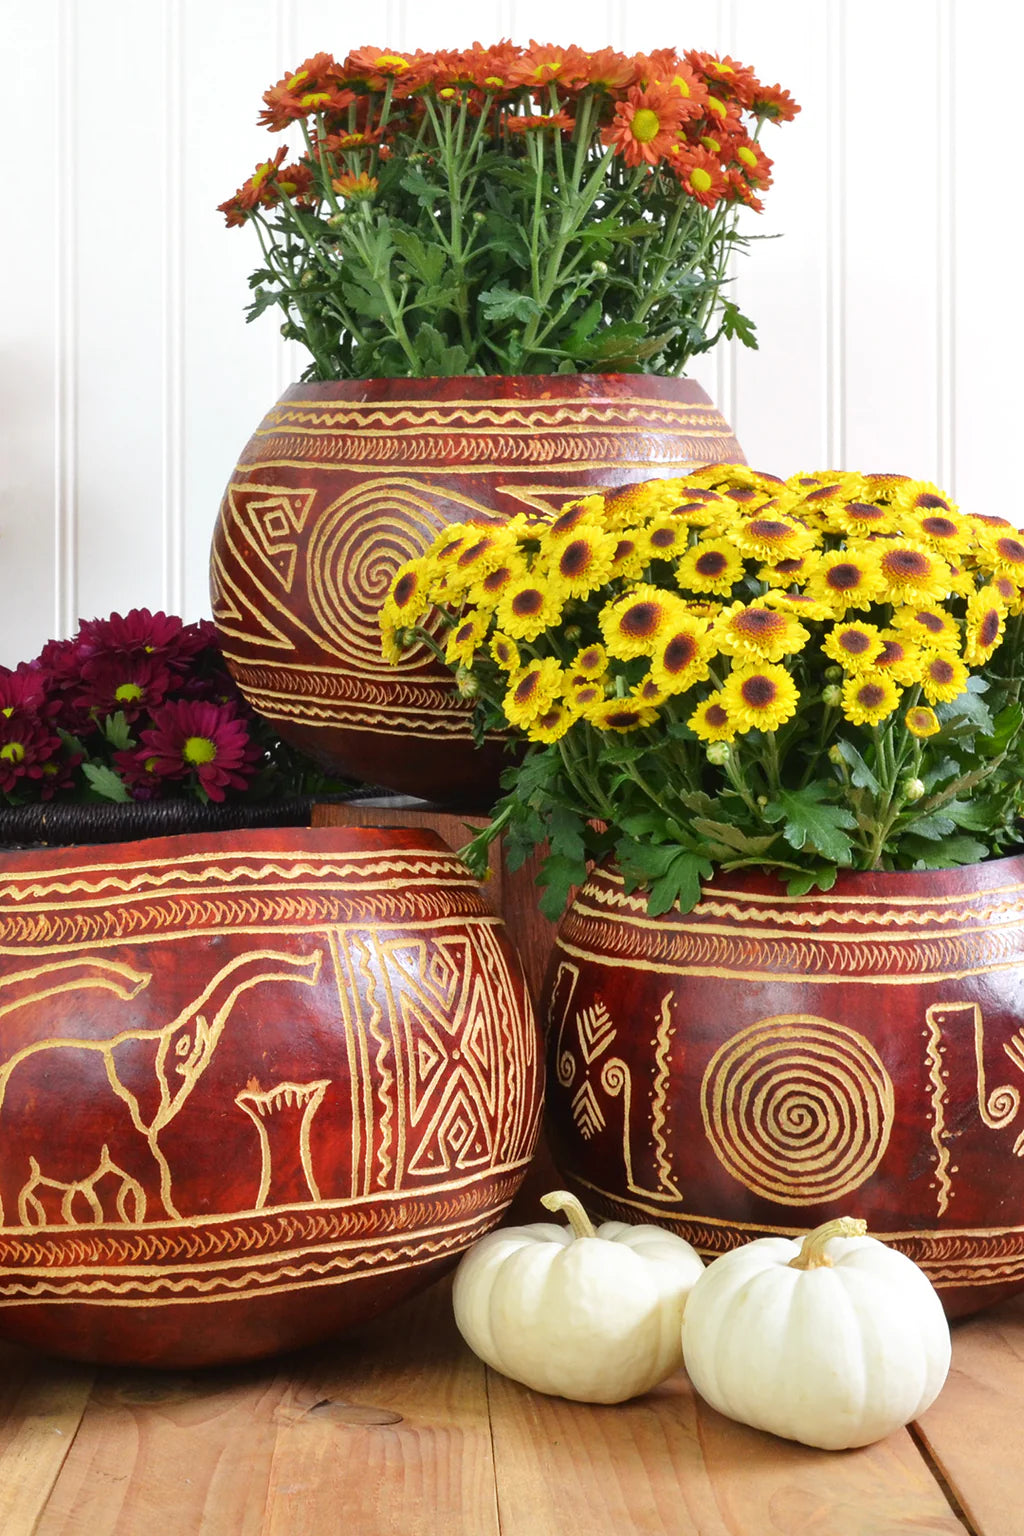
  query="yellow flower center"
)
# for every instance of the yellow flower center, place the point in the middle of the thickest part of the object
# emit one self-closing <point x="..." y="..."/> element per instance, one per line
<point x="261" y="173"/>
<point x="295" y="80"/>
<point x="128" y="693"/>
<point x="746" y="155"/>
<point x="199" y="749"/>
<point x="315" y="99"/>
<point x="716" y="106"/>
<point x="645" y="126"/>
<point x="391" y="61"/>
<point x="700" y="181"/>
<point x="13" y="751"/>
<point x="681" y="85"/>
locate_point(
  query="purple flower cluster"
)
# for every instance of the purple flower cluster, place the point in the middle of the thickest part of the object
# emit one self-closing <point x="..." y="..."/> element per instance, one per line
<point x="137" y="706"/>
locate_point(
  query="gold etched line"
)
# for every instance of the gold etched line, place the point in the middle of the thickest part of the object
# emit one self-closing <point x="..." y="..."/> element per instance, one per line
<point x="660" y="1101"/>
<point x="938" y="1099"/>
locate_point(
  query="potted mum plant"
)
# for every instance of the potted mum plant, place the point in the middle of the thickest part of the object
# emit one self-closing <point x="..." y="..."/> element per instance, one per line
<point x="774" y="736"/>
<point x="133" y="727"/>
<point x="500" y="261"/>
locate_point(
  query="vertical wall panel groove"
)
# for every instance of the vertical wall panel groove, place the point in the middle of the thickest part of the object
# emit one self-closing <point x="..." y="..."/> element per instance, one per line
<point x="725" y="352"/>
<point x="945" y="248"/>
<point x="65" y="557"/>
<point x="173" y="444"/>
<point x="834" y="434"/>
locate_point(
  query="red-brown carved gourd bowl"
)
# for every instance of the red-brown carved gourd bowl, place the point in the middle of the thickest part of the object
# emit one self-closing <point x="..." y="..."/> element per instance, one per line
<point x="255" y="1087"/>
<point x="765" y="1063"/>
<point x="344" y="481"/>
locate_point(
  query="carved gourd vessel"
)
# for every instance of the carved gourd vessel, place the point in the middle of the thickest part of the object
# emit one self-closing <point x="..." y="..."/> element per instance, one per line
<point x="344" y="481"/>
<point x="765" y="1063"/>
<point x="254" y="1087"/>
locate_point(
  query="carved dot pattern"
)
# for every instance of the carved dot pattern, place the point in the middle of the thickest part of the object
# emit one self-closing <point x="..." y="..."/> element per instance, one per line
<point x="798" y="1109"/>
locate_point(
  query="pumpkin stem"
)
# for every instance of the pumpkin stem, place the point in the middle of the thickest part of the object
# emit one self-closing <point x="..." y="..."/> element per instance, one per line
<point x="579" y="1221"/>
<point x="812" y="1253"/>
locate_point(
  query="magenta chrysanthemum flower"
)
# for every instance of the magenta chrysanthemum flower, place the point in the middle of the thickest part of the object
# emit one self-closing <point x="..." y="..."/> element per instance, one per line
<point x="133" y="684"/>
<point x="24" y="689"/>
<point x="207" y="740"/>
<point x="162" y="636"/>
<point x="27" y="746"/>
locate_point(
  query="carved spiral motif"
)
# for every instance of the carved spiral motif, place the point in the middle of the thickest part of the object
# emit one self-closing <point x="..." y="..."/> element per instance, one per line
<point x="798" y="1109"/>
<point x="359" y="543"/>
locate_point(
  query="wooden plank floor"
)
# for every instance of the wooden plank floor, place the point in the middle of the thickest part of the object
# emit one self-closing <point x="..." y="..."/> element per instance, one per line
<point x="400" y="1431"/>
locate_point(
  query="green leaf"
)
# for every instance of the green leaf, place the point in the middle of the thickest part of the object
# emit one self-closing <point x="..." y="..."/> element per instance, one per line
<point x="732" y="837"/>
<point x="115" y="729"/>
<point x="558" y="876"/>
<point x="951" y="852"/>
<point x="565" y="833"/>
<point x="967" y="710"/>
<point x="736" y="324"/>
<point x="808" y="823"/>
<point x="105" y="782"/>
<point x="500" y="303"/>
<point x="822" y="879"/>
<point x="934" y="827"/>
<point x="860" y="773"/>
<point x="679" y="884"/>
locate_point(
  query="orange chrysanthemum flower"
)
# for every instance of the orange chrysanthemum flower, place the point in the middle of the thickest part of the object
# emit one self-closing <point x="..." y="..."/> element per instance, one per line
<point x="699" y="174"/>
<point x="515" y="124"/>
<point x="772" y="102"/>
<point x="547" y="64"/>
<point x="260" y="189"/>
<point x="645" y="124"/>
<point x="374" y="67"/>
<point x="355" y="187"/>
<point x="724" y="74"/>
<point x="610" y="70"/>
<point x="753" y="162"/>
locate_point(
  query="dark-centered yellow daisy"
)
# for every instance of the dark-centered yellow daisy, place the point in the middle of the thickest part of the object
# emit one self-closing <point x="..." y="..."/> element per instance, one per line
<point x="985" y="625"/>
<point x="846" y="578"/>
<point x="912" y="573"/>
<point x="930" y="627"/>
<point x="869" y="698"/>
<point x="772" y="537"/>
<point x="681" y="656"/>
<point x="620" y="715"/>
<point x="755" y="630"/>
<point x="855" y="646"/>
<point x="943" y="676"/>
<point x="712" y="565"/>
<point x="632" y="625"/>
<point x="900" y="657"/>
<point x="553" y="723"/>
<point x="759" y="698"/>
<point x="711" y="721"/>
<point x="527" y="606"/>
<point x="580" y="561"/>
<point x="532" y="690"/>
<point x="922" y="722"/>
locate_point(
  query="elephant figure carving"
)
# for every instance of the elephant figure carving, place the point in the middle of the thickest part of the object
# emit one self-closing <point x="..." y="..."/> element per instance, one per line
<point x="129" y="1085"/>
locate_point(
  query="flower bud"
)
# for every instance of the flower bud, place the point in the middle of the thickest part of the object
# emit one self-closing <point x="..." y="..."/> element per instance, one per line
<point x="336" y="221"/>
<point x="762" y="801"/>
<point x="308" y="278"/>
<point x="467" y="685"/>
<point x="832" y="695"/>
<point x="600" y="268"/>
<point x="912" y="789"/>
<point x="836" y="757"/>
<point x="573" y="634"/>
<point x="719" y="753"/>
<point x="833" y="674"/>
<point x="404" y="638"/>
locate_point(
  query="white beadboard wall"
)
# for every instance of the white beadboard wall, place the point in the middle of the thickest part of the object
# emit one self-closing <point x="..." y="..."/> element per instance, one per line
<point x="887" y="311"/>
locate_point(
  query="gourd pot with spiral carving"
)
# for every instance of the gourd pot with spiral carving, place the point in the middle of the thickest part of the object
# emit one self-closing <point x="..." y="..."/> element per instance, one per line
<point x="764" y="1063"/>
<point x="255" y="1087"/>
<point x="343" y="481"/>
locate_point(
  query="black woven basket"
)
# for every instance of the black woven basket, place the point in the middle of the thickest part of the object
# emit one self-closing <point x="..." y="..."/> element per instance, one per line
<point x="67" y="825"/>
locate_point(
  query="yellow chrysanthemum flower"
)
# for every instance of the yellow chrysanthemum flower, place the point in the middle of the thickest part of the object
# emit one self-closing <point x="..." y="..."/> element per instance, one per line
<point x="711" y="721"/>
<point x="580" y="561"/>
<point x="700" y="508"/>
<point x="647" y="693"/>
<point x="921" y="721"/>
<point x="632" y="625"/>
<point x="527" y="607"/>
<point x="582" y="509"/>
<point x="681" y="657"/>
<point x="532" y="690"/>
<point x="985" y="625"/>
<point x="729" y="477"/>
<point x="791" y="572"/>
<point x="853" y="518"/>
<point x="943" y="676"/>
<point x="590" y="662"/>
<point x="1001" y="552"/>
<point x="869" y="698"/>
<point x="759" y="698"/>
<point x="797" y="603"/>
<point x="409" y="595"/>
<point x="772" y="537"/>
<point x="756" y="631"/>
<point x="552" y="725"/>
<point x="900" y="657"/>
<point x="912" y="573"/>
<point x="582" y="691"/>
<point x="941" y="531"/>
<point x="491" y="588"/>
<point x="712" y="565"/>
<point x="464" y="637"/>
<point x="846" y="578"/>
<point x="921" y="496"/>
<point x="630" y="505"/>
<point x="619" y="715"/>
<point x="855" y="646"/>
<point x="505" y="652"/>
<point x="931" y="627"/>
<point x="630" y="555"/>
<point x="665" y="537"/>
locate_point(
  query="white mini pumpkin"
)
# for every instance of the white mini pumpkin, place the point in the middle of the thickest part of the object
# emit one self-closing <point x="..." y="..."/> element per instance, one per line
<point x="590" y="1315"/>
<point x="835" y="1341"/>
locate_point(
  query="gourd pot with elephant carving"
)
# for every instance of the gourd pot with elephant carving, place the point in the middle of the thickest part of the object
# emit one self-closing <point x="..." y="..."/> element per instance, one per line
<point x="254" y="1087"/>
<point x="764" y="1063"/>
<point x="344" y="481"/>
